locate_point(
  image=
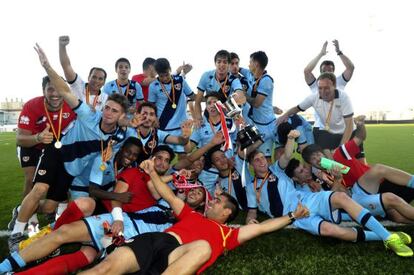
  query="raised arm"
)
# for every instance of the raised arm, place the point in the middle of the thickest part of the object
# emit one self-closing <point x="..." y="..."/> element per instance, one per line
<point x="349" y="66"/>
<point x="285" y="116"/>
<point x="186" y="128"/>
<point x="349" y="123"/>
<point x="361" y="131"/>
<point x="289" y="147"/>
<point x="250" y="231"/>
<point x="164" y="190"/>
<point x="60" y="85"/>
<point x="197" y="108"/>
<point x="70" y="74"/>
<point x="309" y="77"/>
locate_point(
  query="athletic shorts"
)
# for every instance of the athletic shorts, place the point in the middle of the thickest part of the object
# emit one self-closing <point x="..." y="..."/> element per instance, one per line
<point x="178" y="149"/>
<point x="371" y="202"/>
<point x="144" y="224"/>
<point x="28" y="157"/>
<point x="50" y="170"/>
<point x="404" y="192"/>
<point x="320" y="209"/>
<point x="151" y="251"/>
<point x="331" y="141"/>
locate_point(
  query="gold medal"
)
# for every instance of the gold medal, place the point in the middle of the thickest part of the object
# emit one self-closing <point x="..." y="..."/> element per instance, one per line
<point x="174" y="106"/>
<point x="102" y="167"/>
<point x="58" y="144"/>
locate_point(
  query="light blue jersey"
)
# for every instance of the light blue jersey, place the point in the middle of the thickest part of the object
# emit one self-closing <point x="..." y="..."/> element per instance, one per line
<point x="303" y="126"/>
<point x="170" y="118"/>
<point x="235" y="186"/>
<point x="203" y="135"/>
<point x="208" y="178"/>
<point x="208" y="84"/>
<point x="82" y="143"/>
<point x="132" y="90"/>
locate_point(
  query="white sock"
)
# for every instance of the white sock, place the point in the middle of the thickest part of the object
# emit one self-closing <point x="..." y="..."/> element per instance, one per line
<point x="34" y="219"/>
<point x="61" y="207"/>
<point x="19" y="227"/>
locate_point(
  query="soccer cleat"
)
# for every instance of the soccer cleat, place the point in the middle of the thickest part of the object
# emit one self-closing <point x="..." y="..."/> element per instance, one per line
<point x="12" y="222"/>
<point x="14" y="241"/>
<point x="405" y="238"/>
<point x="44" y="231"/>
<point x="395" y="243"/>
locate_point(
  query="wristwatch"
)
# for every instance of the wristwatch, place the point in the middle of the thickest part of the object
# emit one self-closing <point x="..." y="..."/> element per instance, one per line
<point x="291" y="217"/>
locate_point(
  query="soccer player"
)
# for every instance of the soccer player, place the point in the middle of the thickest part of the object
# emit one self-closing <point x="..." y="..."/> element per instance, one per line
<point x="260" y="98"/>
<point x="148" y="75"/>
<point x="180" y="247"/>
<point x="89" y="92"/>
<point x="169" y="93"/>
<point x="235" y="71"/>
<point x="363" y="179"/>
<point x="276" y="195"/>
<point x="129" y="88"/>
<point x="219" y="80"/>
<point x="40" y="120"/>
<point x="150" y="136"/>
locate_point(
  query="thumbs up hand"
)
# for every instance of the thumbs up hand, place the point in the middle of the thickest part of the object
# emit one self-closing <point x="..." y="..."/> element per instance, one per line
<point x="45" y="136"/>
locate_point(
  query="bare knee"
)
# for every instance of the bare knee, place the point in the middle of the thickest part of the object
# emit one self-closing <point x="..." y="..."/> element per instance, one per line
<point x="89" y="253"/>
<point x="39" y="191"/>
<point x="338" y="199"/>
<point x="391" y="200"/>
<point x="327" y="229"/>
<point x="86" y="205"/>
<point x="378" y="170"/>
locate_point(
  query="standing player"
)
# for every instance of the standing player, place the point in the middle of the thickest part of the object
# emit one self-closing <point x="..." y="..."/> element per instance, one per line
<point x="129" y="88"/>
<point x="169" y="93"/>
<point x="89" y="92"/>
<point x="148" y="75"/>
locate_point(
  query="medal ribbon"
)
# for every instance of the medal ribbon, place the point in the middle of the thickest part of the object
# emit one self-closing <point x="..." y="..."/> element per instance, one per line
<point x="152" y="141"/>
<point x="222" y="85"/>
<point x="120" y="88"/>
<point x="328" y="117"/>
<point x="259" y="191"/>
<point x="106" y="153"/>
<point x="56" y="135"/>
<point x="87" y="93"/>
<point x="172" y="91"/>
<point x="224" y="129"/>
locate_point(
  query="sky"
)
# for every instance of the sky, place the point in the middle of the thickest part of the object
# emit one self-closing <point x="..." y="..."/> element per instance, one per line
<point x="375" y="35"/>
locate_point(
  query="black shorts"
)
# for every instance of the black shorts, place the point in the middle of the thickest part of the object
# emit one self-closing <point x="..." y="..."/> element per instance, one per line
<point x="331" y="141"/>
<point x="151" y="251"/>
<point x="28" y="157"/>
<point x="404" y="192"/>
<point x="50" y="170"/>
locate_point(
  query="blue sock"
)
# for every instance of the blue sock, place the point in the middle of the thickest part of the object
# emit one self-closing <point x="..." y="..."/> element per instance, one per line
<point x="366" y="219"/>
<point x="371" y="236"/>
<point x="5" y="266"/>
<point x="411" y="182"/>
<point x="365" y="235"/>
<point x="14" y="261"/>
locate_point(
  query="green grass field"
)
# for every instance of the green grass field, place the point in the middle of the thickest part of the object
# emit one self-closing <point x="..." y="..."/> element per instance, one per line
<point x="288" y="251"/>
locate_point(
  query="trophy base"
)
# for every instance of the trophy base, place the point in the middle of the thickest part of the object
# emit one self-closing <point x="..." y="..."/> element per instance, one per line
<point x="247" y="136"/>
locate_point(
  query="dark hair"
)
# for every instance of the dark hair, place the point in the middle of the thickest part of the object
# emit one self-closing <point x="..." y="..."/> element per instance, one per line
<point x="147" y="104"/>
<point x="98" y="69"/>
<point x="166" y="148"/>
<point x="219" y="96"/>
<point x="162" y="66"/>
<point x="233" y="56"/>
<point x="310" y="150"/>
<point x="202" y="206"/>
<point x="282" y="132"/>
<point x="120" y="99"/>
<point x="261" y="58"/>
<point x="147" y="62"/>
<point x="45" y="81"/>
<point x="330" y="76"/>
<point x="222" y="54"/>
<point x="209" y="154"/>
<point x="326" y="63"/>
<point x="122" y="59"/>
<point x="252" y="154"/>
<point x="231" y="204"/>
<point x="290" y="168"/>
<point x="132" y="141"/>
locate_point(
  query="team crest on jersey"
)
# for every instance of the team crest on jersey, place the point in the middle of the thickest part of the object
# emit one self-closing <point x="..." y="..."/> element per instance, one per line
<point x="244" y="87"/>
<point x="24" y="120"/>
<point x="41" y="120"/>
<point x="65" y="115"/>
<point x="235" y="175"/>
<point x="25" y="158"/>
<point x="371" y="206"/>
<point x="42" y="172"/>
<point x="272" y="177"/>
<point x="132" y="92"/>
<point x="55" y="117"/>
<point x="177" y="86"/>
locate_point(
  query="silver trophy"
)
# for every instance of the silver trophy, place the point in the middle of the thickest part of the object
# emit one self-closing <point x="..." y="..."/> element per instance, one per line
<point x="247" y="134"/>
